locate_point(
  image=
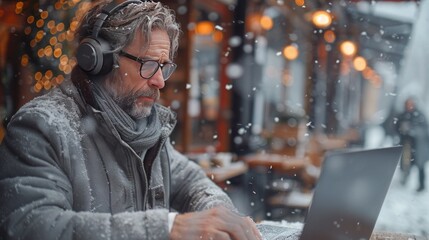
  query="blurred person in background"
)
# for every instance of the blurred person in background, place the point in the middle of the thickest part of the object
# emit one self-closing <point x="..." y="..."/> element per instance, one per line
<point x="413" y="131"/>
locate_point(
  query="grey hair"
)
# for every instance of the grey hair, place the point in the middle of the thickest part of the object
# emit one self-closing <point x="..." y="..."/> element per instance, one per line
<point x="120" y="28"/>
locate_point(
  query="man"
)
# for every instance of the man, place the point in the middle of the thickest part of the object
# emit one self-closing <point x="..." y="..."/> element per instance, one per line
<point x="414" y="136"/>
<point x="92" y="159"/>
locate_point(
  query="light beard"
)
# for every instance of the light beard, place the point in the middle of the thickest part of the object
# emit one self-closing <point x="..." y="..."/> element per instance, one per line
<point x="127" y="100"/>
<point x="138" y="110"/>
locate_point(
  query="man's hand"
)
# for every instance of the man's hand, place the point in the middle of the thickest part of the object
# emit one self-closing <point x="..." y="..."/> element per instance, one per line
<point x="214" y="224"/>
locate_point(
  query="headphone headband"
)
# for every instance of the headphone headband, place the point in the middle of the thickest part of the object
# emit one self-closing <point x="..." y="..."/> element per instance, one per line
<point x="108" y="11"/>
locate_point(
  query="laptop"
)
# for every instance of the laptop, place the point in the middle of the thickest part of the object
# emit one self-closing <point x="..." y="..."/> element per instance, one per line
<point x="347" y="198"/>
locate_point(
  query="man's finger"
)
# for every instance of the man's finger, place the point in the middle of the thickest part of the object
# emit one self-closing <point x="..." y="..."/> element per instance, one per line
<point x="254" y="229"/>
<point x="217" y="235"/>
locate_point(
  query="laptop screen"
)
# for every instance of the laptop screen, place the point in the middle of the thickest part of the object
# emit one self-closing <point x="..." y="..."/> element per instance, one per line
<point x="350" y="193"/>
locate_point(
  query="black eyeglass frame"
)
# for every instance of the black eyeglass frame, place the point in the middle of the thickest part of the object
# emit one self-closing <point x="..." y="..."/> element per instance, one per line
<point x="142" y="62"/>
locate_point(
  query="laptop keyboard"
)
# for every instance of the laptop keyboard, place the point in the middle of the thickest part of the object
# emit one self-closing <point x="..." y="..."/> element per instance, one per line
<point x="275" y="232"/>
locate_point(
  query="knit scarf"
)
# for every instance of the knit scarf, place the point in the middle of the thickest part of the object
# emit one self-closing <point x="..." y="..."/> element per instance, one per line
<point x="140" y="134"/>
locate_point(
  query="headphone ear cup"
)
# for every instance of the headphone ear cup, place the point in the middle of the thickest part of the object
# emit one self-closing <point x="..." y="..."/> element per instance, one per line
<point x="94" y="56"/>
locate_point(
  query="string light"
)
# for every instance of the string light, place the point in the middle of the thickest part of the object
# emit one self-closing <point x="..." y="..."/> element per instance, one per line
<point x="30" y="19"/>
<point x="300" y="2"/>
<point x="51" y="38"/>
<point x="44" y="14"/>
<point x="18" y="7"/>
<point x="24" y="60"/>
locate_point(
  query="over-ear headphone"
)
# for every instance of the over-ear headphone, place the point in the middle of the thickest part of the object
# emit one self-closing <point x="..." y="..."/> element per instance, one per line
<point x="94" y="54"/>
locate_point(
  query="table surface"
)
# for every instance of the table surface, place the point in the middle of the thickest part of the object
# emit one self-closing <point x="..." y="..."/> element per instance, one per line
<point x="276" y="161"/>
<point x="222" y="174"/>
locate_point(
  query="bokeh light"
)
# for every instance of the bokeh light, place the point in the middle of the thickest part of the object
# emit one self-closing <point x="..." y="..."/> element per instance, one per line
<point x="348" y="48"/>
<point x="329" y="36"/>
<point x="266" y="22"/>
<point x="321" y="19"/>
<point x="50" y="31"/>
<point x="291" y="52"/>
<point x="359" y="63"/>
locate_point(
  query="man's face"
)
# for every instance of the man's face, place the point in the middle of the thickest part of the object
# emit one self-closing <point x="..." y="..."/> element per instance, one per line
<point x="134" y="94"/>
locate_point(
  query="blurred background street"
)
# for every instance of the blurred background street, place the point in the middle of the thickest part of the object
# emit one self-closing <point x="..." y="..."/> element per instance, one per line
<point x="404" y="210"/>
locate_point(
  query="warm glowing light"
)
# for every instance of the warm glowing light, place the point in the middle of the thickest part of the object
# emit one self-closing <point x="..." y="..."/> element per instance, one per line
<point x="47" y="40"/>
<point x="67" y="69"/>
<point x="49" y="74"/>
<point x="51" y="24"/>
<point x="40" y="53"/>
<point x="348" y="48"/>
<point x="60" y="27"/>
<point x="300" y="2"/>
<point x="27" y="30"/>
<point x="58" y="5"/>
<point x="30" y="19"/>
<point x="73" y="25"/>
<point x="24" y="60"/>
<point x="39" y="35"/>
<point x="38" y="76"/>
<point x="266" y="22"/>
<point x="204" y="28"/>
<point x="53" y="40"/>
<point x="291" y="52"/>
<point x="33" y="43"/>
<point x="72" y="62"/>
<point x="321" y="19"/>
<point x="40" y="23"/>
<point x="61" y="37"/>
<point x="37" y="87"/>
<point x="329" y="36"/>
<point x="359" y="63"/>
<point x="53" y="31"/>
<point x="57" y="52"/>
<point x="18" y="7"/>
<point x="44" y="14"/>
<point x="48" y="51"/>
<point x="59" y="79"/>
<point x="47" y="85"/>
<point x="64" y="59"/>
<point x="254" y="22"/>
<point x="58" y="45"/>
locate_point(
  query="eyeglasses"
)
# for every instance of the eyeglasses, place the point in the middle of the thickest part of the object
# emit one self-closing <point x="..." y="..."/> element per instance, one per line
<point x="148" y="68"/>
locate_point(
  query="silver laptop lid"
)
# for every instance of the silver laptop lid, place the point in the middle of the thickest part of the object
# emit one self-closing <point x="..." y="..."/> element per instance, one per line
<point x="350" y="193"/>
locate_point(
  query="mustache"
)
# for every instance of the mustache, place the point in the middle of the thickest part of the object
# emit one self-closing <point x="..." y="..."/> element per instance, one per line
<point x="150" y="93"/>
<point x="128" y="101"/>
